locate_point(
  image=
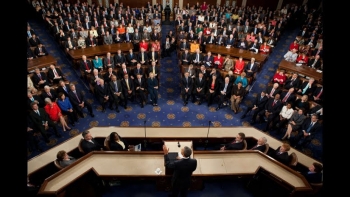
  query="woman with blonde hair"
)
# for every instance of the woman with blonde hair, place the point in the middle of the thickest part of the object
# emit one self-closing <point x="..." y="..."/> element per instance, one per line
<point x="55" y="114"/>
<point x="228" y="63"/>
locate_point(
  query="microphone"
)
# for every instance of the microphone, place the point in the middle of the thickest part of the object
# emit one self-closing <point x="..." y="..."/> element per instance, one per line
<point x="206" y="141"/>
<point x="178" y="144"/>
<point x="145" y="140"/>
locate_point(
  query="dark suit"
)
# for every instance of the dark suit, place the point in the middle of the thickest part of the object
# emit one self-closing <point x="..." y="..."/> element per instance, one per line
<point x="115" y="146"/>
<point x="187" y="57"/>
<point x="156" y="56"/>
<point x="36" y="79"/>
<point x="151" y="83"/>
<point x="211" y="40"/>
<point x="259" y="103"/>
<point x="137" y="71"/>
<point x="41" y="103"/>
<point x="208" y="61"/>
<point x="184" y="45"/>
<point x="37" y="51"/>
<point x="119" y="59"/>
<point x="100" y="93"/>
<point x="227" y="94"/>
<point x="121" y="73"/>
<point x="309" y="90"/>
<point x="290" y="99"/>
<point x="91" y="42"/>
<point x="110" y="60"/>
<point x="38" y="123"/>
<point x="300" y="140"/>
<point x="312" y="177"/>
<point x="181" y="178"/>
<point x="194" y="58"/>
<point x="276" y="91"/>
<point x="51" y="75"/>
<point x="234" y="145"/>
<point x="281" y="157"/>
<point x="200" y="88"/>
<point x="145" y="58"/>
<point x="216" y="88"/>
<point x="290" y="82"/>
<point x="113" y="90"/>
<point x="261" y="148"/>
<point x="89" y="146"/>
<point x="156" y="71"/>
<point x="186" y="83"/>
<point x="273" y="108"/>
<point x="138" y="85"/>
<point x="86" y="66"/>
<point x="317" y="64"/>
<point x="128" y="95"/>
<point x="130" y="57"/>
<point x="77" y="99"/>
<point x="53" y="96"/>
<point x="317" y="92"/>
<point x="254" y="69"/>
<point x="230" y="42"/>
<point x="107" y="76"/>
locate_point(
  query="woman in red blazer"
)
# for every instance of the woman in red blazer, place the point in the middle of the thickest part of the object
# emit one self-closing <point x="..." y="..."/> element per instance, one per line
<point x="55" y="114"/>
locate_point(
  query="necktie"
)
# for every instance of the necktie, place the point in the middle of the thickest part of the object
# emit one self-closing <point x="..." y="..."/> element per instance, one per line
<point x="37" y="111"/>
<point x="49" y="94"/>
<point x="65" y="89"/>
<point x="124" y="71"/>
<point x="225" y="87"/>
<point x="306" y="87"/>
<point x="291" y="82"/>
<point x="254" y="147"/>
<point x="32" y="99"/>
<point x="319" y="94"/>
<point x="142" y="59"/>
<point x="56" y="74"/>
<point x="153" y="56"/>
<point x="109" y="61"/>
<point x="86" y="66"/>
<point x="77" y="96"/>
<point x="39" y="75"/>
<point x="127" y="84"/>
<point x="286" y="97"/>
<point x="92" y="41"/>
<point x="154" y="70"/>
<point x="273" y="104"/>
<point x="116" y="86"/>
<point x="140" y="81"/>
<point x="309" y="128"/>
<point x="272" y="91"/>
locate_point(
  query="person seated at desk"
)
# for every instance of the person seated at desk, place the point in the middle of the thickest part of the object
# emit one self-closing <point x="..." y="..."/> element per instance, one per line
<point x="64" y="159"/>
<point x="228" y="64"/>
<point x="239" y="66"/>
<point x="279" y="78"/>
<point x="116" y="143"/>
<point x="295" y="122"/>
<point x="315" y="63"/>
<point x="314" y="174"/>
<point x="254" y="46"/>
<point x="251" y="68"/>
<point x="69" y="44"/>
<point x="302" y="59"/>
<point x="81" y="43"/>
<point x="293" y="82"/>
<point x="291" y="56"/>
<point x="264" y="48"/>
<point x="260" y="145"/>
<point x="55" y="74"/>
<point x="242" y="44"/>
<point x="236" y="144"/>
<point x="89" y="144"/>
<point x="307" y="132"/>
<point x="40" y="51"/>
<point x="55" y="114"/>
<point x="40" y="79"/>
<point x="281" y="153"/>
<point x="91" y="41"/>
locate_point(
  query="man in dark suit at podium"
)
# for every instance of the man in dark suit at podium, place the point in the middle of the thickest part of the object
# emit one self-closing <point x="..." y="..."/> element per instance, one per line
<point x="183" y="169"/>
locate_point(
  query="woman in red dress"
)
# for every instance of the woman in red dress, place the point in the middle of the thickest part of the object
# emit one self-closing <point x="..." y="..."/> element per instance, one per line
<point x="55" y="113"/>
<point x="302" y="59"/>
<point x="218" y="61"/>
<point x="156" y="45"/>
<point x="144" y="45"/>
<point x="207" y="31"/>
<point x="279" y="77"/>
<point x="294" y="45"/>
<point x="239" y="66"/>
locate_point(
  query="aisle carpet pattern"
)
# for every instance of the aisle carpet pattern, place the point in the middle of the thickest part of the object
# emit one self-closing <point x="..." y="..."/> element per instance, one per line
<point x="170" y="110"/>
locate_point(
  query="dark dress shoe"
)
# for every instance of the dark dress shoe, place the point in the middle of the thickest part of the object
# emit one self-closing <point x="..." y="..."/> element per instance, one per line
<point x="92" y="115"/>
<point x="243" y="116"/>
<point x="111" y="108"/>
<point x="58" y="135"/>
<point x="217" y="108"/>
<point x="141" y="105"/>
<point x="199" y="103"/>
<point x="184" y="104"/>
<point x="252" y="122"/>
<point x="103" y="110"/>
<point x="73" y="124"/>
<point x="124" y="106"/>
<point x="117" y="110"/>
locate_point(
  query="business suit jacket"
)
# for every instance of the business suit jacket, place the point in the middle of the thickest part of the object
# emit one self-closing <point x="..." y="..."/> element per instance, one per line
<point x="313" y="130"/>
<point x="102" y="92"/>
<point x="184" y="45"/>
<point x="130" y="57"/>
<point x="269" y="89"/>
<point x="229" y="41"/>
<point x="143" y="83"/>
<point x="107" y="76"/>
<point x="220" y="41"/>
<point x="313" y="177"/>
<point x="88" y="146"/>
<point x="93" y="78"/>
<point x="110" y="60"/>
<point x="200" y="84"/>
<point x="83" y="66"/>
<point x="41" y="103"/>
<point x="234" y="145"/>
<point x="37" y="51"/>
<point x="254" y="69"/>
<point x="112" y="89"/>
<point x="283" y="158"/>
<point x="156" y="56"/>
<point x="156" y="69"/>
<point x="121" y="72"/>
<point x="260" y="102"/>
<point x="187" y="57"/>
<point x="191" y="37"/>
<point x="60" y="89"/>
<point x="36" y="78"/>
<point x="291" y="97"/>
<point x="276" y="108"/>
<point x="53" y="96"/>
<point x="38" y="119"/>
<point x="292" y="83"/>
<point x="212" y="39"/>
<point x="194" y="55"/>
<point x="308" y="90"/>
<point x="261" y="148"/>
<point x="119" y="59"/>
<point x="228" y="89"/>
<point x="73" y="99"/>
<point x="186" y="84"/>
<point x="115" y="146"/>
<point x="89" y="42"/>
<point x="183" y="170"/>
<point x="208" y="60"/>
<point x="145" y="57"/>
<point x="51" y="75"/>
<point x="317" y="64"/>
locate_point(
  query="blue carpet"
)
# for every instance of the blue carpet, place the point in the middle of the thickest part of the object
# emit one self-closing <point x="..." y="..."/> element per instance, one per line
<point x="170" y="111"/>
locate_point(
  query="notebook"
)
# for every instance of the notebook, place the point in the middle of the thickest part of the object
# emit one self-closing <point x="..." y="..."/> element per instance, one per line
<point x="137" y="147"/>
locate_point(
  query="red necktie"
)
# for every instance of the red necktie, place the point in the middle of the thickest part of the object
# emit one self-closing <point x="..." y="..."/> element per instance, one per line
<point x="254" y="147"/>
<point x="49" y="94"/>
<point x="40" y="76"/>
<point x="286" y="97"/>
<point x="56" y="74"/>
<point x="273" y="104"/>
<point x="86" y="66"/>
<point x="92" y="42"/>
<point x="124" y="71"/>
<point x="77" y="96"/>
<point x="109" y="61"/>
<point x="272" y="91"/>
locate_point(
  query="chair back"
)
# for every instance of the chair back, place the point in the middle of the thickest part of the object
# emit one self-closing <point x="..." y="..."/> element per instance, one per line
<point x="245" y="145"/>
<point x="79" y="146"/>
<point x="106" y="143"/>
<point x="57" y="164"/>
<point x="316" y="187"/>
<point x="267" y="148"/>
<point x="293" y="159"/>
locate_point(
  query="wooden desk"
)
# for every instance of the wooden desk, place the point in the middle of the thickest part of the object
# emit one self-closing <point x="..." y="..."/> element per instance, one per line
<point x="304" y="70"/>
<point x="170" y="133"/>
<point x="90" y="52"/>
<point x="235" y="52"/>
<point x="209" y="165"/>
<point x="41" y="62"/>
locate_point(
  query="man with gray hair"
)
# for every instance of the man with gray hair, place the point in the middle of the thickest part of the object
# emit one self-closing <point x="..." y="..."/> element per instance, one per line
<point x="261" y="144"/>
<point x="183" y="169"/>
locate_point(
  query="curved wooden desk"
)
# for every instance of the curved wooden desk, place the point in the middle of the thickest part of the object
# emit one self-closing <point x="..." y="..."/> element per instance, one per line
<point x="210" y="164"/>
<point x="174" y="133"/>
